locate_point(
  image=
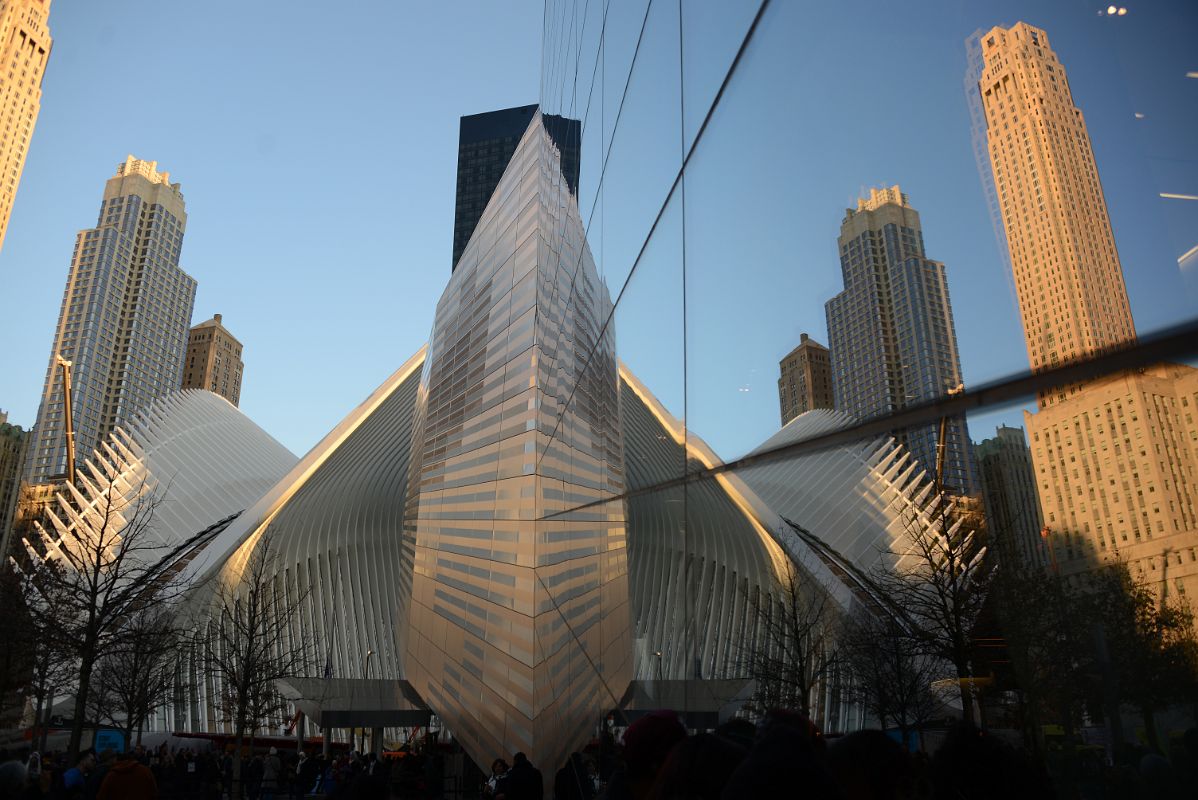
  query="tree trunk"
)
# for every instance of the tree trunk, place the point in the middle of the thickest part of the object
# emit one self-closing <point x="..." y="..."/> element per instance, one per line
<point x="37" y="718"/>
<point x="1154" y="739"/>
<point x="46" y="722"/>
<point x="966" y="694"/>
<point x="237" y="764"/>
<point x="85" y="678"/>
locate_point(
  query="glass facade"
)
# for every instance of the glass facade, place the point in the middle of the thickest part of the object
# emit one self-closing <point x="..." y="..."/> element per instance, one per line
<point x="517" y="418"/>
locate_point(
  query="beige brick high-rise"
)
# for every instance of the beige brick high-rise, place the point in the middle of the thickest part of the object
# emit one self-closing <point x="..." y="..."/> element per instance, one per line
<point x="1067" y="273"/>
<point x="1114" y="458"/>
<point x="806" y="379"/>
<point x="213" y="360"/>
<point x="24" y="49"/>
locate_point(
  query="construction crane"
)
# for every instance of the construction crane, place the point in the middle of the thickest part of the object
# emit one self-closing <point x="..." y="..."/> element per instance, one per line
<point x="68" y="417"/>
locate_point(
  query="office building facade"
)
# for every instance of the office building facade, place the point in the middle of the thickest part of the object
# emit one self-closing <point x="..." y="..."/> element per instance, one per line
<point x="13" y="440"/>
<point x="891" y="334"/>
<point x="24" y="51"/>
<point x="213" y="360"/>
<point x="806" y="379"/>
<point x="1113" y="464"/>
<point x="486" y="143"/>
<point x="1009" y="494"/>
<point x="124" y="317"/>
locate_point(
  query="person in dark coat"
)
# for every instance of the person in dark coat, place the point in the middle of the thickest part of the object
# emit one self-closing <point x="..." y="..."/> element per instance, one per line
<point x="573" y="781"/>
<point x="524" y="781"/>
<point x="128" y="779"/>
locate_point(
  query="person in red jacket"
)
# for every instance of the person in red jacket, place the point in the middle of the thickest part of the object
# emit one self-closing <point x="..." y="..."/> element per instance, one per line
<point x="128" y="779"/>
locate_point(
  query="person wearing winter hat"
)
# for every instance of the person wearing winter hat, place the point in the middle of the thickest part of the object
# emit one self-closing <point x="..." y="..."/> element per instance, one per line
<point x="648" y="742"/>
<point x="128" y="779"/>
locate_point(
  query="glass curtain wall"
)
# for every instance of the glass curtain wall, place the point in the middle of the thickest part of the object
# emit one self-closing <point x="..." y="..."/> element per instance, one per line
<point x="727" y="150"/>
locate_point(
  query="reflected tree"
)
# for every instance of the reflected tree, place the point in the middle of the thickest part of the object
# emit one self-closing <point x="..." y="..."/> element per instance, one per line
<point x="890" y="673"/>
<point x="939" y="584"/>
<point x="795" y="650"/>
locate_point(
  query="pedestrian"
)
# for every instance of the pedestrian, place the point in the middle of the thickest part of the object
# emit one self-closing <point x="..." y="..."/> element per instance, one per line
<point x="128" y="779"/>
<point x="524" y="781"/>
<point x="272" y="769"/>
<point x="496" y="785"/>
<point x="573" y="781"/>
<point x="74" y="780"/>
<point x="14" y="780"/>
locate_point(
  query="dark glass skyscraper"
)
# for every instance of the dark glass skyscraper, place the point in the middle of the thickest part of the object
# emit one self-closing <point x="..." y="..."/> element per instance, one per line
<point x="485" y="146"/>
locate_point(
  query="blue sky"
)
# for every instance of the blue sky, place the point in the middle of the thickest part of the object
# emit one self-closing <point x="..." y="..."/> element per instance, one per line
<point x="316" y="147"/>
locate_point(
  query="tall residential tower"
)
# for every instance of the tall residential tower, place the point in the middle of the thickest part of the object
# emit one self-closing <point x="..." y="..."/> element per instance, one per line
<point x="1114" y="458"/>
<point x="24" y="49"/>
<point x="891" y="330"/>
<point x="124" y="317"/>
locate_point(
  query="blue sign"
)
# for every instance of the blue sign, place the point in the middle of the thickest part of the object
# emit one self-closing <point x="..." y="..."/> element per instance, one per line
<point x="109" y="739"/>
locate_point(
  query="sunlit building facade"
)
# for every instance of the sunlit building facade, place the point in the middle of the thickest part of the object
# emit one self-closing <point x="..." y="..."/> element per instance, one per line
<point x="805" y="381"/>
<point x="24" y="51"/>
<point x="1072" y="298"/>
<point x="12" y="458"/>
<point x="891" y="332"/>
<point x="213" y="360"/>
<point x="124" y="317"/>
<point x="1113" y="466"/>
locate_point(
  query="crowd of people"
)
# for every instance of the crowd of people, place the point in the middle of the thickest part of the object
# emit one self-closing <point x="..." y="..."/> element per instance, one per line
<point x="186" y="774"/>
<point x="784" y="756"/>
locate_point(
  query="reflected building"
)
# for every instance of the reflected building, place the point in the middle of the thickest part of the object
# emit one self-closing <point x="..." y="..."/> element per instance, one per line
<point x="806" y="379"/>
<point x="124" y="317"/>
<point x="486" y="143"/>
<point x="891" y="334"/>
<point x="1009" y="494"/>
<point x="12" y="457"/>
<point x="1114" y="457"/>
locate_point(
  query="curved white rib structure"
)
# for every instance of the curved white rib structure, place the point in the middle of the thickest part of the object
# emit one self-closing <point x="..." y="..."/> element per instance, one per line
<point x="195" y="454"/>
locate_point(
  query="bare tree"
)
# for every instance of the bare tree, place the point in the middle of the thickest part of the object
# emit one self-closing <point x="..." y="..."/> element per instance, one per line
<point x="36" y="662"/>
<point x="16" y="658"/>
<point x="100" y="561"/>
<point x="252" y="643"/>
<point x="137" y="675"/>
<point x="795" y="651"/>
<point x="939" y="585"/>
<point x="890" y="674"/>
